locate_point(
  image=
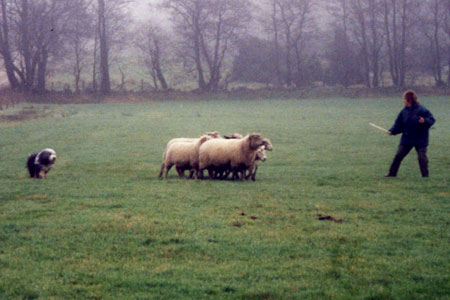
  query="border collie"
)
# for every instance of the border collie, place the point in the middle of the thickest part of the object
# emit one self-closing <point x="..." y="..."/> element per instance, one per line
<point x="40" y="163"/>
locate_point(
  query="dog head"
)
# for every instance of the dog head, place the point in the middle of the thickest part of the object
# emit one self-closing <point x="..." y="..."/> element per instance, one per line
<point x="46" y="157"/>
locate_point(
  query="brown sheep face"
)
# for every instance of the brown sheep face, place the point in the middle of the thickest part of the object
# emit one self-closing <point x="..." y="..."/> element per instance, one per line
<point x="213" y="134"/>
<point x="255" y="141"/>
<point x="267" y="144"/>
<point x="233" y="136"/>
<point x="261" y="154"/>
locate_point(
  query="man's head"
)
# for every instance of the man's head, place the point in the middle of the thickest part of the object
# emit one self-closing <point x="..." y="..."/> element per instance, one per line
<point x="410" y="98"/>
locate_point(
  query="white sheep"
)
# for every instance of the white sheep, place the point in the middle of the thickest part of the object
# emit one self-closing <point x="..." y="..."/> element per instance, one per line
<point x="260" y="156"/>
<point x="184" y="155"/>
<point x="224" y="171"/>
<point x="235" y="154"/>
<point x="212" y="134"/>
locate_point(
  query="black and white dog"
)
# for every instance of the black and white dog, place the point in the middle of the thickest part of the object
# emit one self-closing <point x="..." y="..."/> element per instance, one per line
<point x="40" y="163"/>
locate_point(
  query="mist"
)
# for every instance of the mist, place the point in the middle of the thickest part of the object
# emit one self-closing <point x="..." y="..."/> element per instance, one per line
<point x="120" y="45"/>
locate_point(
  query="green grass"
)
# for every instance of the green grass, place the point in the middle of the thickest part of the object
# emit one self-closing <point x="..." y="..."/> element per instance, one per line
<point x="103" y="226"/>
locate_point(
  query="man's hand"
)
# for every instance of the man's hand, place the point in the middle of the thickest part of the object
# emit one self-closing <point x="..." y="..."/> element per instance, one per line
<point x="421" y="120"/>
<point x="390" y="133"/>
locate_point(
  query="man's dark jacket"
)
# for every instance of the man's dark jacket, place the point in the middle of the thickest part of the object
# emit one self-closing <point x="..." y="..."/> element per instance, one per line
<point x="407" y="122"/>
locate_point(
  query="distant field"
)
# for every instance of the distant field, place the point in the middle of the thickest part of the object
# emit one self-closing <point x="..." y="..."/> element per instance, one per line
<point x="103" y="225"/>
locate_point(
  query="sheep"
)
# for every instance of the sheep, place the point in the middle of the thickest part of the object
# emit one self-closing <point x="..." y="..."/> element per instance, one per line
<point x="235" y="154"/>
<point x="184" y="155"/>
<point x="260" y="156"/>
<point x="212" y="134"/>
<point x="223" y="172"/>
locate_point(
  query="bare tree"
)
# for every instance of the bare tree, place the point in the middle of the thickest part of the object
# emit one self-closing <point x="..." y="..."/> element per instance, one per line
<point x="206" y="29"/>
<point x="105" y="84"/>
<point x="344" y="63"/>
<point x="79" y="34"/>
<point x="303" y="35"/>
<point x="432" y="18"/>
<point x="398" y="26"/>
<point x="5" y="47"/>
<point x="151" y="41"/>
<point x="35" y="29"/>
<point x="111" y="16"/>
<point x="289" y="21"/>
<point x="447" y="31"/>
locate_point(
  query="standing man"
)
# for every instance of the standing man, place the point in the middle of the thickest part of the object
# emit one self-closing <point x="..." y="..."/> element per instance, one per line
<point x="414" y="122"/>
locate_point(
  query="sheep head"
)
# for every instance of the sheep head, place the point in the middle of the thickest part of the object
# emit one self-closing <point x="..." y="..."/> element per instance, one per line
<point x="267" y="145"/>
<point x="204" y="138"/>
<point x="213" y="134"/>
<point x="255" y="140"/>
<point x="233" y="136"/>
<point x="261" y="154"/>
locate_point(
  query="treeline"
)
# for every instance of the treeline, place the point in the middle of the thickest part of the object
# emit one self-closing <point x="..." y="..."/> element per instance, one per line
<point x="210" y="44"/>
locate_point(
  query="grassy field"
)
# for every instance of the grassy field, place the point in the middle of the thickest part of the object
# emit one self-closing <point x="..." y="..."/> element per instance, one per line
<point x="104" y="226"/>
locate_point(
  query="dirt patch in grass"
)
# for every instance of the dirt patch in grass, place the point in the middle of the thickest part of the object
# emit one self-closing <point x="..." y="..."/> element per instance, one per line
<point x="329" y="218"/>
<point x="31" y="112"/>
<point x="26" y="113"/>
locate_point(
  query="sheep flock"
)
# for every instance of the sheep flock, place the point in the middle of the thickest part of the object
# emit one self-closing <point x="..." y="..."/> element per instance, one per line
<point x="220" y="155"/>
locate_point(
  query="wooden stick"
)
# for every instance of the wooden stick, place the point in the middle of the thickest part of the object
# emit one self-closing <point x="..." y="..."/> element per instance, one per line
<point x="380" y="128"/>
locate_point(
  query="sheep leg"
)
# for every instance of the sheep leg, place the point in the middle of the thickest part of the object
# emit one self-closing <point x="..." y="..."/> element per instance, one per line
<point x="200" y="174"/>
<point x="211" y="173"/>
<point x="180" y="172"/>
<point x="194" y="173"/>
<point x="162" y="170"/>
<point x="247" y="176"/>
<point x="168" y="169"/>
<point x="254" y="172"/>
<point x="227" y="172"/>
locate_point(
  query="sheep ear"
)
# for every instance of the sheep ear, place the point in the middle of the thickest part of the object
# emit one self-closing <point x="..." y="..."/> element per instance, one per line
<point x="255" y="140"/>
<point x="203" y="139"/>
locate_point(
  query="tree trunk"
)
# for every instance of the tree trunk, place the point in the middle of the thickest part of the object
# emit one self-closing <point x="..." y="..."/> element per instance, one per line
<point x="25" y="48"/>
<point x="41" y="71"/>
<point x="437" y="55"/>
<point x="201" y="78"/>
<point x="389" y="41"/>
<point x="402" y="54"/>
<point x="5" y="49"/>
<point x="105" y="84"/>
<point x="364" y="43"/>
<point x="288" y="41"/>
<point x="94" y="65"/>
<point x="276" y="44"/>
<point x="375" y="46"/>
<point x="77" y="69"/>
<point x="157" y="66"/>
